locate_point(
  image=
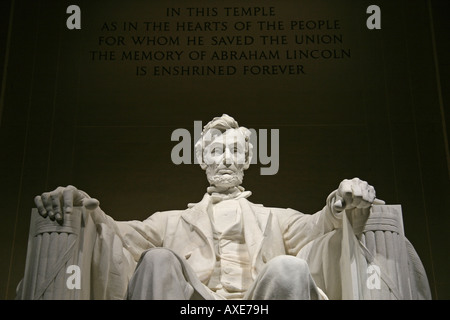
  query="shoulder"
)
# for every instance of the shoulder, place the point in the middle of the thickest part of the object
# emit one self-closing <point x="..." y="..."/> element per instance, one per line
<point x="164" y="215"/>
<point x="274" y="210"/>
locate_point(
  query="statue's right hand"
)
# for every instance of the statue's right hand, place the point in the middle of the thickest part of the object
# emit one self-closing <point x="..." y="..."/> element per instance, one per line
<point x="60" y="201"/>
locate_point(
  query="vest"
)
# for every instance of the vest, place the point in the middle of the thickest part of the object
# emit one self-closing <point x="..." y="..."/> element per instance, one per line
<point x="232" y="272"/>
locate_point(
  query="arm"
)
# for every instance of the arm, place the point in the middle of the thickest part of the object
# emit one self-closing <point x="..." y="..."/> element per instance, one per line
<point x="113" y="249"/>
<point x="136" y="236"/>
<point x="354" y="197"/>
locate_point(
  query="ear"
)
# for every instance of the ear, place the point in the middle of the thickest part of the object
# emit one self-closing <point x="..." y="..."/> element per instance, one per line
<point x="199" y="154"/>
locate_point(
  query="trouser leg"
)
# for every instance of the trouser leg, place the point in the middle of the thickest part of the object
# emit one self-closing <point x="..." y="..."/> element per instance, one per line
<point x="284" y="278"/>
<point x="159" y="275"/>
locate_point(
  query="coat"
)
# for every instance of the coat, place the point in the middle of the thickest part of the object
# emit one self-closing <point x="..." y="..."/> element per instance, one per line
<point x="269" y="232"/>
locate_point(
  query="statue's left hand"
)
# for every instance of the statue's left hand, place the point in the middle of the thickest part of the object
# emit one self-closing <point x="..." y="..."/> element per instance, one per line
<point x="355" y="193"/>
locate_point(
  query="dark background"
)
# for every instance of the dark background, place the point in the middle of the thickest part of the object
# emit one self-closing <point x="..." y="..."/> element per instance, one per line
<point x="380" y="116"/>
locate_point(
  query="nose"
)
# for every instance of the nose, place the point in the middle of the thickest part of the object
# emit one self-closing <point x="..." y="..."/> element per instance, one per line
<point x="228" y="158"/>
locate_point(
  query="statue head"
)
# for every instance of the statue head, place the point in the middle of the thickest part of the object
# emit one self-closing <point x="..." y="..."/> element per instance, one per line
<point x="224" y="151"/>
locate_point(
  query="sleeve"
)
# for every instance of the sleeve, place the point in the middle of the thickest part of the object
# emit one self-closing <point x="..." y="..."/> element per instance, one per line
<point x="118" y="247"/>
<point x="327" y="242"/>
<point x="136" y="236"/>
<point x="299" y="229"/>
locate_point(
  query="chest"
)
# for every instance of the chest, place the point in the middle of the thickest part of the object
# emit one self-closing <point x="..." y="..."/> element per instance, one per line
<point x="226" y="217"/>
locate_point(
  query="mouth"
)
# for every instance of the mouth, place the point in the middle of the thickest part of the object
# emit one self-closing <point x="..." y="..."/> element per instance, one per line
<point x="225" y="171"/>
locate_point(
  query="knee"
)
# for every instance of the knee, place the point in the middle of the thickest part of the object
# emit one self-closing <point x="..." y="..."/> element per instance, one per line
<point x="157" y="256"/>
<point x="288" y="266"/>
<point x="286" y="261"/>
<point x="285" y="277"/>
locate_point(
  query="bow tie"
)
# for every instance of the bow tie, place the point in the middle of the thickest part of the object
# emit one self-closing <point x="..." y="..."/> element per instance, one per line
<point x="233" y="193"/>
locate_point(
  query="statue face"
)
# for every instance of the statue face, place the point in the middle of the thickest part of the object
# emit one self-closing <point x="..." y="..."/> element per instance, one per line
<point x="225" y="159"/>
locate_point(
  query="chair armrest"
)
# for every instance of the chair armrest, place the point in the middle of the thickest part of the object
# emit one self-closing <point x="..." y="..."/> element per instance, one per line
<point x="385" y="246"/>
<point x="58" y="261"/>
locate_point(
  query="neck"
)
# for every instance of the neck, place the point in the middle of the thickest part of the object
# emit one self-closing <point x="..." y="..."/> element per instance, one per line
<point x="233" y="190"/>
<point x="223" y="193"/>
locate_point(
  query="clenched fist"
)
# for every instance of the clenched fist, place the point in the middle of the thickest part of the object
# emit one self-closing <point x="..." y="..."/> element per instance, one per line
<point x="355" y="193"/>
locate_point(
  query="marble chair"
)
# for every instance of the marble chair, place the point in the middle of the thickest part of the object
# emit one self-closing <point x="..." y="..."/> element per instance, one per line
<point x="59" y="253"/>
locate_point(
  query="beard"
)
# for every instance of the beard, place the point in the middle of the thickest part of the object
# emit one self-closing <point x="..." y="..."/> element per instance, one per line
<point x="225" y="180"/>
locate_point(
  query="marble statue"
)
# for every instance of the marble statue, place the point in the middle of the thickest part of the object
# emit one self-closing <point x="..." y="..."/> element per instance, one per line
<point x="226" y="247"/>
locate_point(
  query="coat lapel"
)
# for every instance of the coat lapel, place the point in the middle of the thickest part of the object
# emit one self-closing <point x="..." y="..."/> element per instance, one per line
<point x="255" y="224"/>
<point x="255" y="228"/>
<point x="197" y="217"/>
<point x="256" y="221"/>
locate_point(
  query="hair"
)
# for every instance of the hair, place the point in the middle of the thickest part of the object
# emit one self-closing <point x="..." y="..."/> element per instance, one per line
<point x="222" y="124"/>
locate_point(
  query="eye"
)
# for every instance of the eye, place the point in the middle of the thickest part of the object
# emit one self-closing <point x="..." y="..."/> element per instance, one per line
<point x="217" y="151"/>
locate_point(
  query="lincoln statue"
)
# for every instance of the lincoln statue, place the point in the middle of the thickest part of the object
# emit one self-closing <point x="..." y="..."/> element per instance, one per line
<point x="225" y="246"/>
